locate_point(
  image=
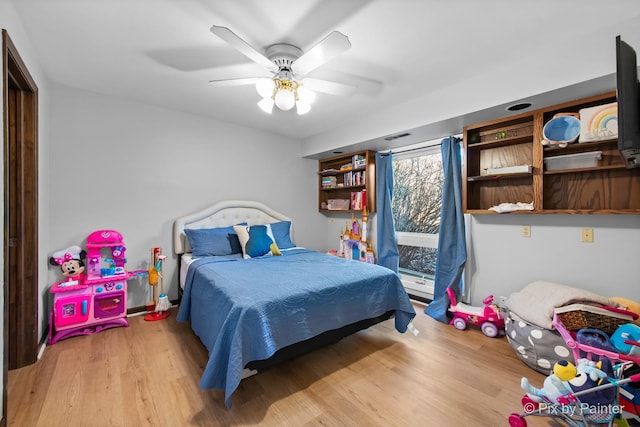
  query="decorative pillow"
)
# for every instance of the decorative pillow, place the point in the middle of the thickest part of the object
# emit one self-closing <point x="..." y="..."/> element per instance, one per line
<point x="281" y="235"/>
<point x="256" y="240"/>
<point x="235" y="243"/>
<point x="213" y="241"/>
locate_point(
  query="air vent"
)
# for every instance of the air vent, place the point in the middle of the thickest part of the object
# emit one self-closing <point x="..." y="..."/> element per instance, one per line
<point x="400" y="135"/>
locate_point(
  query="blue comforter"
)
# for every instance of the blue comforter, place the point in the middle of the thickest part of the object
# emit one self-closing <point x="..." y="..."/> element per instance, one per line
<point x="246" y="310"/>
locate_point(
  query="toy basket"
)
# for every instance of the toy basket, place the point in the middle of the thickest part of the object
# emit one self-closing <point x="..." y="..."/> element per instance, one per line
<point x="580" y="316"/>
<point x="586" y="351"/>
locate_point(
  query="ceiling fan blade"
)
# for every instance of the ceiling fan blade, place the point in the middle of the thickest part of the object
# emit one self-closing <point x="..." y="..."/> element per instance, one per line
<point x="325" y="86"/>
<point x="325" y="50"/>
<point x="235" y="82"/>
<point x="243" y="47"/>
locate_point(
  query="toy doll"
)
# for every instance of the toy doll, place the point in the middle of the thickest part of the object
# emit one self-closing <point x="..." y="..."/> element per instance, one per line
<point x="70" y="261"/>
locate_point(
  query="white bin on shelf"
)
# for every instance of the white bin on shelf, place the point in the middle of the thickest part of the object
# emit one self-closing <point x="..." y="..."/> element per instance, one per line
<point x="338" y="204"/>
<point x="573" y="161"/>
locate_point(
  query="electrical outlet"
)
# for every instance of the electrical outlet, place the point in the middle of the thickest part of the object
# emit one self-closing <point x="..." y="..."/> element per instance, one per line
<point x="526" y="231"/>
<point x="587" y="235"/>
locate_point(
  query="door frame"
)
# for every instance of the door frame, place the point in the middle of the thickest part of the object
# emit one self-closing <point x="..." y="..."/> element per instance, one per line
<point x="20" y="238"/>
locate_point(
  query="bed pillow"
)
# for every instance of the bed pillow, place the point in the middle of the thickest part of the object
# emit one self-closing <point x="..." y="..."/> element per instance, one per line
<point x="256" y="240"/>
<point x="213" y="241"/>
<point x="281" y="235"/>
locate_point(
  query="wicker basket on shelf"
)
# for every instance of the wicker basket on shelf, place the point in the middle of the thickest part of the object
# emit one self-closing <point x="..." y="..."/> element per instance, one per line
<point x="579" y="316"/>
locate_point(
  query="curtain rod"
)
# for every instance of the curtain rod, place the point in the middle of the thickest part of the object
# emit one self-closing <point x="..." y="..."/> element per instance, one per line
<point x="458" y="140"/>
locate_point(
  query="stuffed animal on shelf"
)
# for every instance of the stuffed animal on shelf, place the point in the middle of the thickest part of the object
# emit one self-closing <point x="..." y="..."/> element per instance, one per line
<point x="71" y="262"/>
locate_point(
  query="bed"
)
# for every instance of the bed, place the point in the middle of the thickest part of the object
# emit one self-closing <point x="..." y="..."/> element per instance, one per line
<point x="252" y="310"/>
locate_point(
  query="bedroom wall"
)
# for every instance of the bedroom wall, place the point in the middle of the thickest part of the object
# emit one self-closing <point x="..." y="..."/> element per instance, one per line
<point x="122" y="165"/>
<point x="501" y="261"/>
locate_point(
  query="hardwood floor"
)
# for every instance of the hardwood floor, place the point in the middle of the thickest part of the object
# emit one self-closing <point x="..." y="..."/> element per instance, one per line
<point x="148" y="375"/>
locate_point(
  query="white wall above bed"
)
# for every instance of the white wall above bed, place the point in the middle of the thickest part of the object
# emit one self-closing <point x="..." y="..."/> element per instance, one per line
<point x="132" y="167"/>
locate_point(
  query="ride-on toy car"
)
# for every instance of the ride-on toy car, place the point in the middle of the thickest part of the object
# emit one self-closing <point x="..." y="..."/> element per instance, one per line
<point x="488" y="317"/>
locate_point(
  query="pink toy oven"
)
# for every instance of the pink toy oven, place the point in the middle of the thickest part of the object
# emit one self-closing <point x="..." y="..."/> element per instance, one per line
<point x="98" y="301"/>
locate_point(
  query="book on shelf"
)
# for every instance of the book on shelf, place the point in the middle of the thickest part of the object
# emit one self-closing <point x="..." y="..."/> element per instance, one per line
<point x="358" y="199"/>
<point x="353" y="178"/>
<point x="329" y="182"/>
<point x="354" y="200"/>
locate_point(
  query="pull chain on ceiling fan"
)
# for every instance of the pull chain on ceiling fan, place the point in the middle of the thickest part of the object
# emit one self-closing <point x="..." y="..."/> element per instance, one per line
<point x="287" y="63"/>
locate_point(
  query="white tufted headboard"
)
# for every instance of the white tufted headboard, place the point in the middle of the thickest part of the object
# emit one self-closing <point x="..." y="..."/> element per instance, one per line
<point x="222" y="214"/>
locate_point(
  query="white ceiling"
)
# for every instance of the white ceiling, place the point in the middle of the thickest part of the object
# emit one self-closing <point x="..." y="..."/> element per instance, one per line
<point x="161" y="52"/>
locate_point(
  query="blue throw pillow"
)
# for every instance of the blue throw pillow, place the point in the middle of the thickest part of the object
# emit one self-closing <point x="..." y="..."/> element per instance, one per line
<point x="280" y="232"/>
<point x="259" y="242"/>
<point x="213" y="241"/>
<point x="235" y="243"/>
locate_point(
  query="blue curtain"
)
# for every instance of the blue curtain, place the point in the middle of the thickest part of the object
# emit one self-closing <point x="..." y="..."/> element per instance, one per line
<point x="452" y="249"/>
<point x="388" y="255"/>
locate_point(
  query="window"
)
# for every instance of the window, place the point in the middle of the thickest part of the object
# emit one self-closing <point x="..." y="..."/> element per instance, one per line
<point x="417" y="199"/>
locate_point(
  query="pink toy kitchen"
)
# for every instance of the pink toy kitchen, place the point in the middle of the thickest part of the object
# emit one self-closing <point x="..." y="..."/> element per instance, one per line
<point x="96" y="298"/>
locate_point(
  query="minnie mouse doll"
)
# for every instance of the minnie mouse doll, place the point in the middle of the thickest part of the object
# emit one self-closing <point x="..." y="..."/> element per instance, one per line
<point x="70" y="261"/>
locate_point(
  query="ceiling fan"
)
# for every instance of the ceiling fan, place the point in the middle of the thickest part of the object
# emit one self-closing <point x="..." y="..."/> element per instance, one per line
<point x="288" y="64"/>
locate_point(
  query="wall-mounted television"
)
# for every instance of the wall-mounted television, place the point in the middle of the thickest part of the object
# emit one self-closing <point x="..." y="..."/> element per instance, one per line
<point x="628" y="95"/>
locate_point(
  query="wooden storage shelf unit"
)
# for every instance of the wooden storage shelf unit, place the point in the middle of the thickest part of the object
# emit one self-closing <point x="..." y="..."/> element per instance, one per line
<point x="493" y="146"/>
<point x="349" y="179"/>
<point x="605" y="188"/>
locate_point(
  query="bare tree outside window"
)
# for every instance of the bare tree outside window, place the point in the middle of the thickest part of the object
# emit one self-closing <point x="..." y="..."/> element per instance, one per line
<point x="417" y="199"/>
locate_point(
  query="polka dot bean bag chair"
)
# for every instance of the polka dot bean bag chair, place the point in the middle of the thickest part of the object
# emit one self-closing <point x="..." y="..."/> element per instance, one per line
<point x="537" y="347"/>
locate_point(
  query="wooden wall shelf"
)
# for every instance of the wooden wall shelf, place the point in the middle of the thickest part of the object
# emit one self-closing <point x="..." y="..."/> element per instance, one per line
<point x="343" y="189"/>
<point x="502" y="176"/>
<point x="607" y="188"/>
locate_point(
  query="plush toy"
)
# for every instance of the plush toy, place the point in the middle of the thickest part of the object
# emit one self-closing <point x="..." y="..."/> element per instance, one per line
<point x="554" y="386"/>
<point x="626" y="339"/>
<point x="590" y="375"/>
<point x="570" y="379"/>
<point x="595" y="338"/>
<point x="70" y="261"/>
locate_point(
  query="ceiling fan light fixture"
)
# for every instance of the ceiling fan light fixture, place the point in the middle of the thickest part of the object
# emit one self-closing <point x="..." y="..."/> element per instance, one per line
<point x="266" y="105"/>
<point x="265" y="87"/>
<point x="305" y="95"/>
<point x="287" y="62"/>
<point x="285" y="99"/>
<point x="302" y="108"/>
